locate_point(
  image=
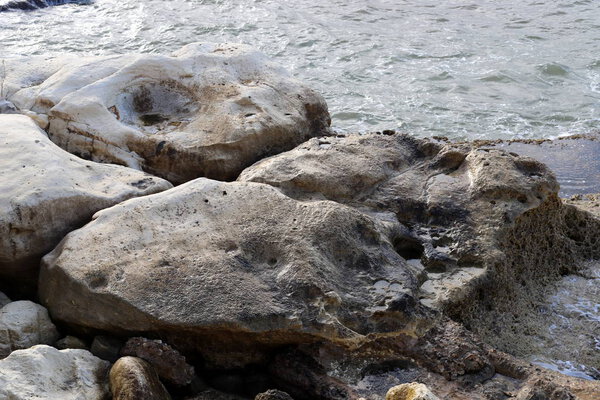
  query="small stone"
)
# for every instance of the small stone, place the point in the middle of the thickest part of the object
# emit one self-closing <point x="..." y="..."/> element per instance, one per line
<point x="168" y="362"/>
<point x="410" y="391"/>
<point x="106" y="347"/>
<point x="70" y="342"/>
<point x="132" y="378"/>
<point x="24" y="324"/>
<point x="273" y="394"/>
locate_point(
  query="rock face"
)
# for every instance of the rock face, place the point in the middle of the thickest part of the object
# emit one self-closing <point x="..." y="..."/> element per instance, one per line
<point x="239" y="262"/>
<point x="168" y="363"/>
<point x="410" y="391"/>
<point x="42" y="372"/>
<point x="455" y="198"/>
<point x="132" y="378"/>
<point x="47" y="192"/>
<point x="207" y="110"/>
<point x="24" y="324"/>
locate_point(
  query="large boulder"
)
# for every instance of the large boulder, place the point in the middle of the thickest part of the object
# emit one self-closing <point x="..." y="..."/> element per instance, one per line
<point x="457" y="199"/>
<point x="485" y="225"/>
<point x="206" y="110"/>
<point x="47" y="192"/>
<point x="24" y="324"/>
<point x="43" y="372"/>
<point x="236" y="264"/>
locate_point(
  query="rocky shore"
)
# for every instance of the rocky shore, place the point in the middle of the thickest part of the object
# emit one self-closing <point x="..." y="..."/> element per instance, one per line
<point x="189" y="227"/>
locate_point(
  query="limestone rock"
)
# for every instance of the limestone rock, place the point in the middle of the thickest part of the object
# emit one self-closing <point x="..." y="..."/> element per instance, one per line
<point x="24" y="324"/>
<point x="43" y="372"/>
<point x="455" y="197"/>
<point x="206" y="110"/>
<point x="410" y="391"/>
<point x="4" y="300"/>
<point x="236" y="264"/>
<point x="47" y="192"/>
<point x="132" y="378"/>
<point x="273" y="394"/>
<point x="168" y="363"/>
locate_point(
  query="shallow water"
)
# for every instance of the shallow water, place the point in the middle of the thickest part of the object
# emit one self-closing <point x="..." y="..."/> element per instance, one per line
<point x="570" y="340"/>
<point x="576" y="162"/>
<point x="463" y="69"/>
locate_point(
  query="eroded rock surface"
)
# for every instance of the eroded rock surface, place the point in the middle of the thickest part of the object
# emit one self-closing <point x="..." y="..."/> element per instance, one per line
<point x="24" y="324"/>
<point x="454" y="200"/>
<point x="207" y="110"/>
<point x="43" y="372"/>
<point x="47" y="192"/>
<point x="238" y="263"/>
<point x="486" y="226"/>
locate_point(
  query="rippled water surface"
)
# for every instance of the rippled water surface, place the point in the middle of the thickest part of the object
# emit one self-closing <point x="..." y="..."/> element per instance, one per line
<point x="570" y="341"/>
<point x="464" y="69"/>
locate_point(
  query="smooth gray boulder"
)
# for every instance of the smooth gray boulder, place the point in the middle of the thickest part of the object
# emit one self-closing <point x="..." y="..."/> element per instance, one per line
<point x="228" y="267"/>
<point x="46" y="192"/>
<point x="206" y="110"/>
<point x="43" y="372"/>
<point x="24" y="324"/>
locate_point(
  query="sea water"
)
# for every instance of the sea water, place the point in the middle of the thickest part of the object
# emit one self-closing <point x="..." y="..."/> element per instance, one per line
<point x="457" y="68"/>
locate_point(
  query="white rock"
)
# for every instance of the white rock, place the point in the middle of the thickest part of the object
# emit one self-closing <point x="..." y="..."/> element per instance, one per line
<point x="43" y="372"/>
<point x="46" y="192"/>
<point x="207" y="110"/>
<point x="24" y="324"/>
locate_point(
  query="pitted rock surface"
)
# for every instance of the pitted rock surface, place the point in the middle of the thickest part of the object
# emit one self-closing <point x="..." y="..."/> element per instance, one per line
<point x="238" y="262"/>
